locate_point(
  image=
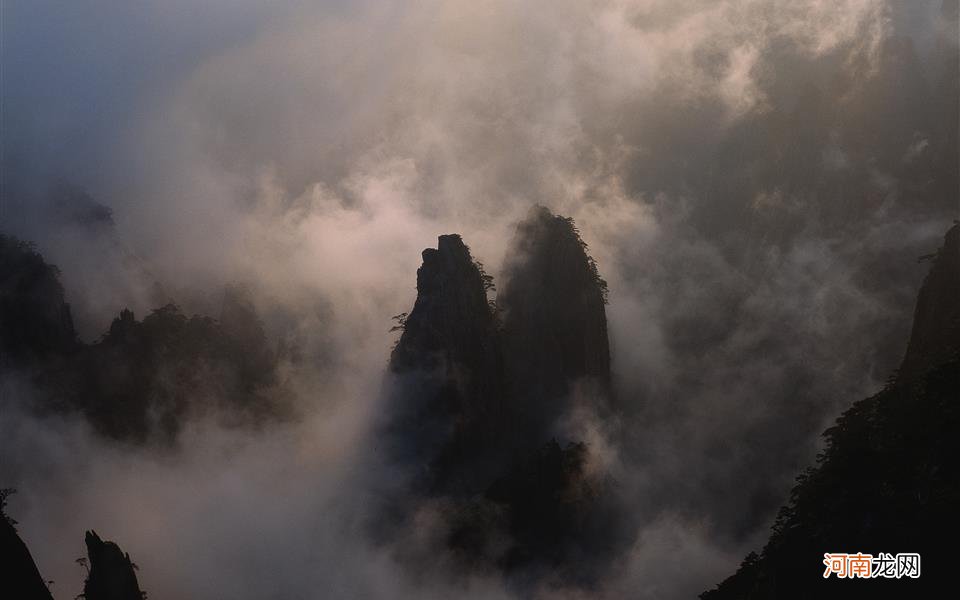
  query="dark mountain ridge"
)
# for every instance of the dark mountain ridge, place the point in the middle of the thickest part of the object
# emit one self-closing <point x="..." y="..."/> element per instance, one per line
<point x="889" y="478"/>
<point x="461" y="418"/>
<point x="141" y="379"/>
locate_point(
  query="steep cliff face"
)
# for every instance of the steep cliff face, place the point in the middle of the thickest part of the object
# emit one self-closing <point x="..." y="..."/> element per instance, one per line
<point x="449" y="402"/>
<point x="889" y="478"/>
<point x="35" y="321"/>
<point x="936" y="320"/>
<point x="554" y="320"/>
<point x="451" y="326"/>
<point x="112" y="575"/>
<point x="20" y="577"/>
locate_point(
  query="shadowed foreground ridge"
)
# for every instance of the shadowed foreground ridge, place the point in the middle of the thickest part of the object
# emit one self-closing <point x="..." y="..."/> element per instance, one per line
<point x="889" y="479"/>
<point x="112" y="575"/>
<point x="476" y="408"/>
<point x="20" y="577"/>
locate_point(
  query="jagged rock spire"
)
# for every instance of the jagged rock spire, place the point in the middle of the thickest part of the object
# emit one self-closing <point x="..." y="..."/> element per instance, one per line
<point x="474" y="406"/>
<point x="451" y="323"/>
<point x="447" y="367"/>
<point x="112" y="575"/>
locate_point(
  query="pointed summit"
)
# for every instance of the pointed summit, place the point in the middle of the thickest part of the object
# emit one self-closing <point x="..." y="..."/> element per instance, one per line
<point x="447" y="367"/>
<point x="451" y="323"/>
<point x="474" y="407"/>
<point x="554" y="317"/>
<point x="112" y="575"/>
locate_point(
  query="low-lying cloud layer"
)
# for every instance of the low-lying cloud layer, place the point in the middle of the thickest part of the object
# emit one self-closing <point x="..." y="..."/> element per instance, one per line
<point x="755" y="180"/>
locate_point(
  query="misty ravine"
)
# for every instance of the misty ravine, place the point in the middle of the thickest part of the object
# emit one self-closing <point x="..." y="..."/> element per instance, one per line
<point x="535" y="299"/>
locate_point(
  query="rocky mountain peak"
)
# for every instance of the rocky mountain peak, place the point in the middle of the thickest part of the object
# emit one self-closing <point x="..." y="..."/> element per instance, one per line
<point x="554" y="318"/>
<point x="475" y="406"/>
<point x="447" y="368"/>
<point x="112" y="575"/>
<point x="451" y="320"/>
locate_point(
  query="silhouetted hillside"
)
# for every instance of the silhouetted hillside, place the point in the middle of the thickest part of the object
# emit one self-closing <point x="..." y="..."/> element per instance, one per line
<point x="35" y="321"/>
<point x="142" y="378"/>
<point x="889" y="478"/>
<point x="20" y="578"/>
<point x="145" y="377"/>
<point x="110" y="572"/>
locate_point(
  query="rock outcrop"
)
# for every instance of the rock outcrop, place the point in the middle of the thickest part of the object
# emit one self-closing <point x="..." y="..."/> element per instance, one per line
<point x="112" y="574"/>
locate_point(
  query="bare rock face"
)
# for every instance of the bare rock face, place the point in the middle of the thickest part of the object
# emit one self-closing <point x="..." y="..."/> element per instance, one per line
<point x="112" y="575"/>
<point x="19" y="576"/>
<point x="447" y="372"/>
<point x="554" y="321"/>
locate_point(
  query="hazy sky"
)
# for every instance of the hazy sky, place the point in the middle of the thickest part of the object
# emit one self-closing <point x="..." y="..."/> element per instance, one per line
<point x="755" y="179"/>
